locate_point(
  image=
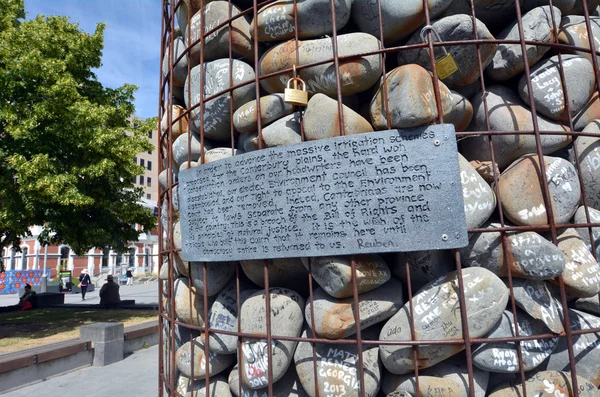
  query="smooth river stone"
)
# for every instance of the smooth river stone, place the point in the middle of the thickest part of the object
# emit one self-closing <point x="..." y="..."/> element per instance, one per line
<point x="217" y="110"/>
<point x="589" y="305"/>
<point x="286" y="320"/>
<point x="334" y="273"/>
<point x="493" y="13"/>
<point x="288" y="386"/>
<point x="179" y="127"/>
<point x="217" y="387"/>
<point x="400" y="19"/>
<point x="582" y="271"/>
<point x="430" y="386"/>
<point x="520" y="190"/>
<point x="272" y="107"/>
<point x="411" y="98"/>
<point x="247" y="142"/>
<point x="189" y="312"/>
<point x="453" y="370"/>
<point x="486" y="170"/>
<point x="573" y="31"/>
<point x="283" y="132"/>
<point x="565" y="6"/>
<point x="534" y="297"/>
<point x="356" y="75"/>
<point x="188" y="7"/>
<point x="508" y="113"/>
<point x="437" y="317"/>
<point x="478" y="197"/>
<point x="181" y="68"/>
<point x="547" y="384"/>
<point x="321" y="119"/>
<point x="218" y="153"/>
<point x="216" y="45"/>
<point x="461" y="114"/>
<point x="217" y="275"/>
<point x="180" y="148"/>
<point x="530" y="255"/>
<point x="334" y="318"/>
<point x="275" y="22"/>
<point x="548" y="90"/>
<point x="454" y="28"/>
<point x="589" y="113"/>
<point x="283" y="272"/>
<point x="584" y="232"/>
<point x="588" y="153"/>
<point x="537" y="25"/>
<point x="424" y="266"/>
<point x="586" y="348"/>
<point x="502" y="356"/>
<point x="337" y="368"/>
<point x="186" y="165"/>
<point x="579" y="10"/>
<point x="185" y="359"/>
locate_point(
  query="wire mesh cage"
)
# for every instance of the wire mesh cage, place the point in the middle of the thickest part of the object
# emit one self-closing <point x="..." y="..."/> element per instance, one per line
<point x="515" y="312"/>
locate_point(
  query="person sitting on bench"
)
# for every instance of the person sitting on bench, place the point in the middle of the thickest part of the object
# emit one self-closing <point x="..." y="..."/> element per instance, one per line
<point x="109" y="293"/>
<point x="25" y="301"/>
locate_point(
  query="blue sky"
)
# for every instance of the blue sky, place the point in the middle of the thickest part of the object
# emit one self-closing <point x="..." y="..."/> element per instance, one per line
<point x="131" y="41"/>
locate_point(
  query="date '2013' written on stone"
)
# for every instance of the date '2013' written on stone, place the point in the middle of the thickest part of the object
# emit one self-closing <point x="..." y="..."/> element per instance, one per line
<point x="396" y="190"/>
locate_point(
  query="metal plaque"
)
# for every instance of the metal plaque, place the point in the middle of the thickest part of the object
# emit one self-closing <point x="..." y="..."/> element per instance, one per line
<point x="396" y="190"/>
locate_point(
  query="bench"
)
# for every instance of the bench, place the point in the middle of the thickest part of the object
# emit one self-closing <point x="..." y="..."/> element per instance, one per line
<point x="127" y="302"/>
<point x="47" y="299"/>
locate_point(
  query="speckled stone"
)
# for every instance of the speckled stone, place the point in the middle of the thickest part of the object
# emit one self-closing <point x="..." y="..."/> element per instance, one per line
<point x="283" y="272"/>
<point x="437" y="317"/>
<point x="217" y="273"/>
<point x="547" y="384"/>
<point x="337" y="370"/>
<point x="582" y="271"/>
<point x="217" y="387"/>
<point x="584" y="232"/>
<point x="454" y="28"/>
<point x="531" y="256"/>
<point x="186" y="311"/>
<point x="217" y="110"/>
<point x="181" y="68"/>
<point x="334" y="273"/>
<point x="502" y="356"/>
<point x="272" y="107"/>
<point x="218" y="153"/>
<point x="461" y="114"/>
<point x="508" y="113"/>
<point x="410" y="97"/>
<point x="478" y="197"/>
<point x="520" y="190"/>
<point x="424" y="266"/>
<point x="356" y="75"/>
<point x="275" y="22"/>
<point x="321" y="119"/>
<point x="286" y="320"/>
<point x="288" y="385"/>
<point x="537" y="25"/>
<point x="548" y="90"/>
<point x="535" y="298"/>
<point x="573" y="31"/>
<point x="185" y="359"/>
<point x="334" y="318"/>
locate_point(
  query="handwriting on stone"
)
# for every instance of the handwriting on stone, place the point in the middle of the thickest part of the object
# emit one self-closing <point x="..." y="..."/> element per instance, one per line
<point x="396" y="190"/>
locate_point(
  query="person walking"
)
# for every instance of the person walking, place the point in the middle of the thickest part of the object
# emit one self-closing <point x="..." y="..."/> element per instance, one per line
<point x="129" y="277"/>
<point x="84" y="281"/>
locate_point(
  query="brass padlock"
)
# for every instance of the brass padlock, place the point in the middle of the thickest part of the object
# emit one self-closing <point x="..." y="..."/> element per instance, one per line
<point x="444" y="66"/>
<point x="295" y="96"/>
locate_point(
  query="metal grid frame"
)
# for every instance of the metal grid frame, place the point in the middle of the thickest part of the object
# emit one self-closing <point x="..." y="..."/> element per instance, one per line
<point x="167" y="381"/>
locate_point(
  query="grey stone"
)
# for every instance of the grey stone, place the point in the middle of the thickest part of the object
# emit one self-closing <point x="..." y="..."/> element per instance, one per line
<point x="217" y="275"/>
<point x="454" y="28"/>
<point x="588" y="153"/>
<point x="181" y="145"/>
<point x="356" y="75"/>
<point x="565" y="6"/>
<point x="589" y="114"/>
<point x="288" y="385"/>
<point x="188" y="7"/>
<point x="181" y="68"/>
<point x="530" y="255"/>
<point x="503" y="356"/>
<point x="283" y="272"/>
<point x="535" y="298"/>
<point x="216" y="44"/>
<point x="582" y="271"/>
<point x="217" y="387"/>
<point x="585" y="348"/>
<point x="217" y="78"/>
<point x="192" y="362"/>
<point x="334" y="274"/>
<point x="411" y="99"/>
<point x="461" y="114"/>
<point x="218" y="153"/>
<point x="578" y="7"/>
<point x="589" y="305"/>
<point x="537" y="25"/>
<point x="283" y="132"/>
<point x="573" y="31"/>
<point x="337" y="368"/>
<point x="494" y="14"/>
<point x="189" y="305"/>
<point x="334" y="318"/>
<point x="584" y="232"/>
<point x="275" y="22"/>
<point x="478" y="197"/>
<point x="400" y="19"/>
<point x="437" y="317"/>
<point x="247" y="142"/>
<point x="547" y="383"/>
<point x="520" y="190"/>
<point x="548" y="89"/>
<point x="424" y="266"/>
<point x="506" y="112"/>
<point x="286" y="320"/>
<point x="428" y="384"/>
<point x="187" y="165"/>
<point x="272" y="107"/>
<point x="180" y="126"/>
<point x="321" y="119"/>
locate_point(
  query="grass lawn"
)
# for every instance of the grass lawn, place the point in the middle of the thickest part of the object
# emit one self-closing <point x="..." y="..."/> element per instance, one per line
<point x="22" y="330"/>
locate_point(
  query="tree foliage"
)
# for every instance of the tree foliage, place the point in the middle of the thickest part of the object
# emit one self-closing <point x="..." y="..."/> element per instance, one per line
<point x="66" y="146"/>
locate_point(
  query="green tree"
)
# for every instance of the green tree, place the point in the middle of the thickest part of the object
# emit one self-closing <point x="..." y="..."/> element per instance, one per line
<point x="66" y="146"/>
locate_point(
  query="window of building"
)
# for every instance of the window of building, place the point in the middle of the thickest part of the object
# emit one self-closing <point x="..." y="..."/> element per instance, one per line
<point x="147" y="257"/>
<point x="134" y="179"/>
<point x="142" y="163"/>
<point x="132" y="257"/>
<point x="64" y="258"/>
<point x="142" y="180"/>
<point x="149" y="151"/>
<point x="148" y="196"/>
<point x="150" y="134"/>
<point x="13" y="250"/>
<point x="135" y="160"/>
<point x="149" y="165"/>
<point x="149" y="182"/>
<point x="105" y="256"/>
<point x="24" y="252"/>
